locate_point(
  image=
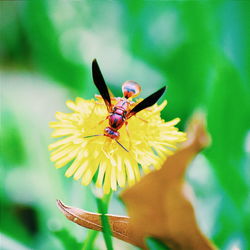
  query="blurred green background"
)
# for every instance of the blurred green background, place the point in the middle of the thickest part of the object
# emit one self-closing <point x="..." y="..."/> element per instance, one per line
<point x="199" y="49"/>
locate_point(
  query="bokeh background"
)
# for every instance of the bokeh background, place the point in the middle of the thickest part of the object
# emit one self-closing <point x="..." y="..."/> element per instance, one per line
<point x="199" y="49"/>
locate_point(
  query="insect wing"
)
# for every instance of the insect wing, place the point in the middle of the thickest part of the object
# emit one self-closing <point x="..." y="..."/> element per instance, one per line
<point x="147" y="102"/>
<point x="101" y="85"/>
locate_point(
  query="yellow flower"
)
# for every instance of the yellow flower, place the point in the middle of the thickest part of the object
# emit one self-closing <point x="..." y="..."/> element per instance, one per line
<point x="148" y="139"/>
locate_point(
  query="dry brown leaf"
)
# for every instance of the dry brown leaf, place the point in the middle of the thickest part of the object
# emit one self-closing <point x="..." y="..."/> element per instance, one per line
<point x="157" y="204"/>
<point x="119" y="225"/>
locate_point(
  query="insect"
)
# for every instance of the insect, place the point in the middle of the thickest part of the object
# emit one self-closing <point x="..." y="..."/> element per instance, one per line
<point x="121" y="111"/>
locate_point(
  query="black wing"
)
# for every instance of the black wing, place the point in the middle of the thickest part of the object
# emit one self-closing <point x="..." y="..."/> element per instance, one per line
<point x="147" y="102"/>
<point x="101" y="85"/>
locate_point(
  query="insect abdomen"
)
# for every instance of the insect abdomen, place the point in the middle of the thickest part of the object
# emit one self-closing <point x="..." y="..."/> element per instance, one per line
<point x="116" y="121"/>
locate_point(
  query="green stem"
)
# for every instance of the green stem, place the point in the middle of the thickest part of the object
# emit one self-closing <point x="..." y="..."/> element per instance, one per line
<point x="102" y="205"/>
<point x="90" y="239"/>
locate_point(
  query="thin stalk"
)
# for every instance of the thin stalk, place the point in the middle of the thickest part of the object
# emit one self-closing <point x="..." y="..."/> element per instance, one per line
<point x="102" y="205"/>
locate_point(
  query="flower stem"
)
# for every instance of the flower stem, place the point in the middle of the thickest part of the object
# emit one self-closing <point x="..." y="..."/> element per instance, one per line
<point x="102" y="205"/>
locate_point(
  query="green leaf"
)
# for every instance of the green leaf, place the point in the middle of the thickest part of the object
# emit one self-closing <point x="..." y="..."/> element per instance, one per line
<point x="228" y="123"/>
<point x="47" y="46"/>
<point x="68" y="241"/>
<point x="11" y="140"/>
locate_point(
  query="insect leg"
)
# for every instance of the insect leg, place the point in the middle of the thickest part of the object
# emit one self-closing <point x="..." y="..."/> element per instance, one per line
<point x="127" y="130"/>
<point x="89" y="136"/>
<point x="103" y="120"/>
<point x="141" y="119"/>
<point x="93" y="113"/>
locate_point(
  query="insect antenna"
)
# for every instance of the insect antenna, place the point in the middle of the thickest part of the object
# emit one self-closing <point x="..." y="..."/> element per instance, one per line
<point x="121" y="145"/>
<point x="89" y="136"/>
